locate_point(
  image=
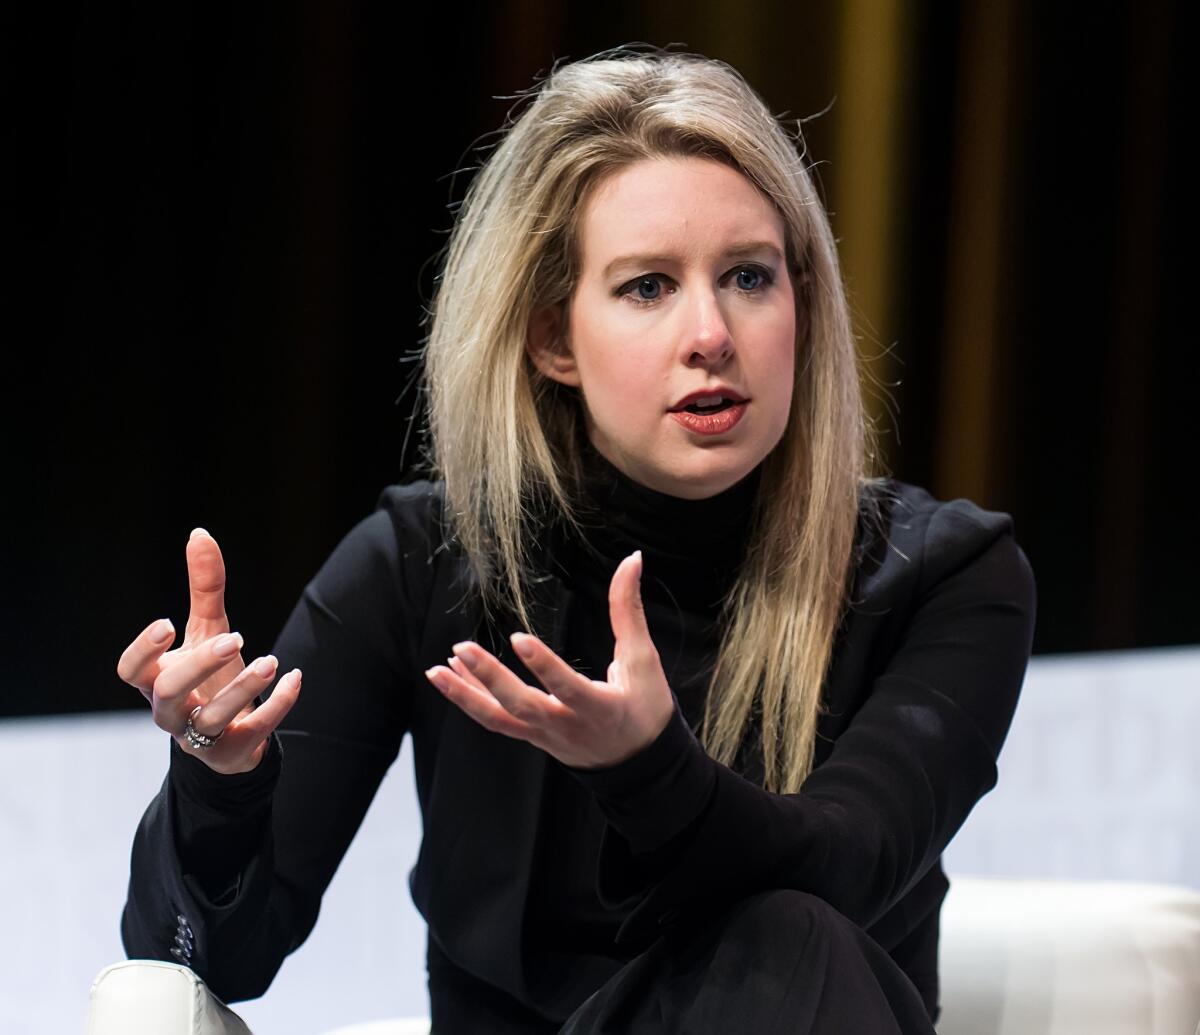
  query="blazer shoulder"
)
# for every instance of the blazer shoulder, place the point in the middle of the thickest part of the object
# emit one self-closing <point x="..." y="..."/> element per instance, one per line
<point x="414" y="512"/>
<point x="420" y="501"/>
<point x="908" y="534"/>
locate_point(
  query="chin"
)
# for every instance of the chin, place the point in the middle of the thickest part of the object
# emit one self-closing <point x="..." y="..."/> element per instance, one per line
<point x="695" y="475"/>
<point x="708" y="480"/>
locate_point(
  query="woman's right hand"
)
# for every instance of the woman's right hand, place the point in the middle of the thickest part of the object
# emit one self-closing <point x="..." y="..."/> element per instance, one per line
<point x="206" y="670"/>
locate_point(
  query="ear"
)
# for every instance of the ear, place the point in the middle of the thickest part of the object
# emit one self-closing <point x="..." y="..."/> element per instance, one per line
<point x="547" y="346"/>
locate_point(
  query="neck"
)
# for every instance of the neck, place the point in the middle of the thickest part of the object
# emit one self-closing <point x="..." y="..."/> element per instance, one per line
<point x="691" y="547"/>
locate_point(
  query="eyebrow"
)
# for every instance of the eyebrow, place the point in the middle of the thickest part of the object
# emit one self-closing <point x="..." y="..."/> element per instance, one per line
<point x="737" y="251"/>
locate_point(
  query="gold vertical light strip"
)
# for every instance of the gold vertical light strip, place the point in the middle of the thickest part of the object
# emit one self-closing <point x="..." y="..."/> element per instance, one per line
<point x="867" y="170"/>
<point x="966" y="440"/>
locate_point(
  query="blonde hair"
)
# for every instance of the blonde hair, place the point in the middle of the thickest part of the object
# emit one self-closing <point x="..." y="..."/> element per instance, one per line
<point x="515" y="248"/>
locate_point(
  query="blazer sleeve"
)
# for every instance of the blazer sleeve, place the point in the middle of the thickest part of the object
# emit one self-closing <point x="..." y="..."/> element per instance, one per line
<point x="684" y="830"/>
<point x="227" y="872"/>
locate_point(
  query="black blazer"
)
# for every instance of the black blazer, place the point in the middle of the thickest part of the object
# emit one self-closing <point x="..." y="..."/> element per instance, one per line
<point x="924" y="680"/>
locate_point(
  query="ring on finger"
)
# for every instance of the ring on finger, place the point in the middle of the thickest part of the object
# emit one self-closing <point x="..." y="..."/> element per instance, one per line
<point x="195" y="739"/>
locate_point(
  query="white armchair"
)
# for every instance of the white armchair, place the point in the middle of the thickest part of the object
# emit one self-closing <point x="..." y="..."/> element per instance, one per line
<point x="1032" y="957"/>
<point x="1018" y="957"/>
<point x="149" y="997"/>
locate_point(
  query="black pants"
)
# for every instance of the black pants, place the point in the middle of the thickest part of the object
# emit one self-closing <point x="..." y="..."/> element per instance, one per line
<point x="776" y="963"/>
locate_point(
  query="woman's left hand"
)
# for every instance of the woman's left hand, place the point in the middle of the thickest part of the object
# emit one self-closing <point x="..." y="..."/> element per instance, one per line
<point x="584" y="723"/>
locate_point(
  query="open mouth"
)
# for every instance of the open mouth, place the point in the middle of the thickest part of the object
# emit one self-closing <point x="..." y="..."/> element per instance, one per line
<point x="724" y="404"/>
<point x="710" y="403"/>
<point x="712" y="416"/>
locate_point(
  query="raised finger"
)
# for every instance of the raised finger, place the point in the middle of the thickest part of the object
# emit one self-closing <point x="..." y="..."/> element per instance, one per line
<point x="625" y="608"/>
<point x="634" y="649"/>
<point x="479" y="704"/>
<point x="228" y="703"/>
<point x="566" y="684"/>
<point x="138" y="665"/>
<point x="206" y="583"/>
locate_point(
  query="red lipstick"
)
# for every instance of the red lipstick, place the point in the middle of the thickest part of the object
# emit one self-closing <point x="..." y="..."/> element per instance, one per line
<point x="717" y="423"/>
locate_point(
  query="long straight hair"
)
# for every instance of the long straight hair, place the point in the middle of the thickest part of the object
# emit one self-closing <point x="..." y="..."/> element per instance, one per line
<point x="515" y="248"/>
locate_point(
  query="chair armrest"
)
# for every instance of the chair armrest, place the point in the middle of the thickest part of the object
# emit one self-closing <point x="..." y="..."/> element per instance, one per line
<point x="1042" y="957"/>
<point x="150" y="997"/>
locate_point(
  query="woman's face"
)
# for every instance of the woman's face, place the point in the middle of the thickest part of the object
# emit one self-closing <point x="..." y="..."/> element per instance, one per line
<point x="683" y="288"/>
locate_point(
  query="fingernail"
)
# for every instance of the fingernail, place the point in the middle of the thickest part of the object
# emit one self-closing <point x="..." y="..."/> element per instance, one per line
<point x="163" y="630"/>
<point x="436" y="678"/>
<point x="265" y="667"/>
<point x="198" y="531"/>
<point x="228" y="645"/>
<point x="522" y="645"/>
<point x="466" y="652"/>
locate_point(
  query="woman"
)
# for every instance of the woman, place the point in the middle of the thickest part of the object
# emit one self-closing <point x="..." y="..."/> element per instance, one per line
<point x="650" y="467"/>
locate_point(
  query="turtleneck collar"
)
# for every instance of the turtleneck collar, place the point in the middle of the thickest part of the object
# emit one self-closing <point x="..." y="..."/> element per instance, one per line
<point x="691" y="548"/>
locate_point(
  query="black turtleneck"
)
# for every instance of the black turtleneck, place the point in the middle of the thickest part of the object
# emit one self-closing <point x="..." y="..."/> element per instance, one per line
<point x="691" y="547"/>
<point x="691" y="552"/>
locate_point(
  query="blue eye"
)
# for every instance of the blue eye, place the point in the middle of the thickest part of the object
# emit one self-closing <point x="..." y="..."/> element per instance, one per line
<point x="633" y="290"/>
<point x="654" y="281"/>
<point x="757" y="274"/>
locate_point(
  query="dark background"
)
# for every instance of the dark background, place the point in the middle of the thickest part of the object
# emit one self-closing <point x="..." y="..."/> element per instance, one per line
<point x="225" y="222"/>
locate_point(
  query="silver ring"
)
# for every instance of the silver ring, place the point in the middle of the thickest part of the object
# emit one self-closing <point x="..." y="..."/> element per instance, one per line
<point x="198" y="740"/>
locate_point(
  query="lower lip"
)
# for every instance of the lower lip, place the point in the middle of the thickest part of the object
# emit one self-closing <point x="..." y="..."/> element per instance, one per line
<point x="711" y="423"/>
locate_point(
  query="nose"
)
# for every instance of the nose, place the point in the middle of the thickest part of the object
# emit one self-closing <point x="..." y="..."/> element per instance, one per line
<point x="707" y="340"/>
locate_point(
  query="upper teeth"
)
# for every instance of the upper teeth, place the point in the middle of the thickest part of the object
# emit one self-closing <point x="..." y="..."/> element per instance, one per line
<point x="708" y="400"/>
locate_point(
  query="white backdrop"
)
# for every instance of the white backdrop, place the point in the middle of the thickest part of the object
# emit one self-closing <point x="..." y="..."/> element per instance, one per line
<point x="1100" y="779"/>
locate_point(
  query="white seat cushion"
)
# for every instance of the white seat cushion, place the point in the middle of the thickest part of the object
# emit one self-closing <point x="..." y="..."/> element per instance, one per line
<point x="148" y="997"/>
<point x="1026" y="957"/>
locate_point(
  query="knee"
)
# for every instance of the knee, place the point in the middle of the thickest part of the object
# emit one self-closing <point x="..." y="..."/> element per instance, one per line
<point x="784" y="911"/>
